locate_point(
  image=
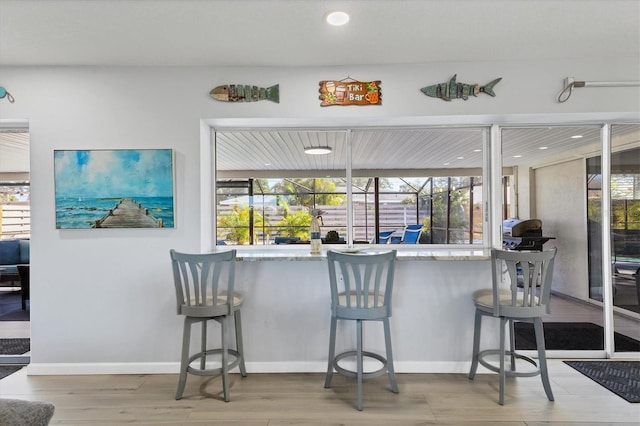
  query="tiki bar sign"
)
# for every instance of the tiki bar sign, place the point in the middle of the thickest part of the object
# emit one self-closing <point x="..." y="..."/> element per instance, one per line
<point x="350" y="93"/>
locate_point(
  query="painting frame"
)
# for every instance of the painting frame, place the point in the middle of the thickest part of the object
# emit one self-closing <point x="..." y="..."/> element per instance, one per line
<point x="114" y="188"/>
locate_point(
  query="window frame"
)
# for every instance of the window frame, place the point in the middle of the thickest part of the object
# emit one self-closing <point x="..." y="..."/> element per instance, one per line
<point x="211" y="152"/>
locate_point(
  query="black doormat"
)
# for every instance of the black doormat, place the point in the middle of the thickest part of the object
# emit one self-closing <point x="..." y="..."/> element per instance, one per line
<point x="6" y="370"/>
<point x="571" y="336"/>
<point x="620" y="377"/>
<point x="14" y="346"/>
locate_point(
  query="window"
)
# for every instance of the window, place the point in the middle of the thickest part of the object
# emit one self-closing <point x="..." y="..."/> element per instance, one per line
<point x="266" y="185"/>
<point x="15" y="194"/>
<point x="15" y="210"/>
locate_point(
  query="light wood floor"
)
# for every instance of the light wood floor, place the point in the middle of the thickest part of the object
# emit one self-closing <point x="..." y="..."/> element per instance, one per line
<point x="300" y="399"/>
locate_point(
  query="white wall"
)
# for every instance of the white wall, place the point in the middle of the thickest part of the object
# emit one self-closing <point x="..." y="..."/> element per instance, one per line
<point x="105" y="296"/>
<point x="562" y="201"/>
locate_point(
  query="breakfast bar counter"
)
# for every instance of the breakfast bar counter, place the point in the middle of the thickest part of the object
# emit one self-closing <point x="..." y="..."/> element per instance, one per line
<point x="286" y="312"/>
<point x="301" y="253"/>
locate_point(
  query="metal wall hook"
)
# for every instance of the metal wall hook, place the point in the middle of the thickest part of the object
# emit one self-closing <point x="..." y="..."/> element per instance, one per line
<point x="570" y="83"/>
<point x="4" y="93"/>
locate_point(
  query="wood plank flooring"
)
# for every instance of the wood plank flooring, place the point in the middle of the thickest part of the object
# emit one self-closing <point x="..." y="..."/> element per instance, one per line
<point x="300" y="399"/>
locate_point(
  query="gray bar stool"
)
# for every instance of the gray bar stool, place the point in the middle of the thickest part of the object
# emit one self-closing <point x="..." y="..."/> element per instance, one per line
<point x="203" y="283"/>
<point x="528" y="277"/>
<point x="361" y="290"/>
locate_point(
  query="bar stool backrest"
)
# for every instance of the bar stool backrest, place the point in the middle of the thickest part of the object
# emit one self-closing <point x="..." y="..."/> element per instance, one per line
<point x="528" y="276"/>
<point x="203" y="283"/>
<point x="361" y="284"/>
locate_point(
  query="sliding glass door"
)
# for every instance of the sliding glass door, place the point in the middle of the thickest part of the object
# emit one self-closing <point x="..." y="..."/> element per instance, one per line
<point x="625" y="235"/>
<point x="544" y="179"/>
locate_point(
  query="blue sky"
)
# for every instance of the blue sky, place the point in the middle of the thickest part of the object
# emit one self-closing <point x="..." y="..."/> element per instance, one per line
<point x="114" y="173"/>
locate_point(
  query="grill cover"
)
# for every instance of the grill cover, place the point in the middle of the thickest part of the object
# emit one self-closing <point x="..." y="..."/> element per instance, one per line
<point x="523" y="235"/>
<point x="531" y="227"/>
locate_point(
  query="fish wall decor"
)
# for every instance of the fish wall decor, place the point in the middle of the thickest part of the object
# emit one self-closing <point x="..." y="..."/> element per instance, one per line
<point x="245" y="93"/>
<point x="453" y="90"/>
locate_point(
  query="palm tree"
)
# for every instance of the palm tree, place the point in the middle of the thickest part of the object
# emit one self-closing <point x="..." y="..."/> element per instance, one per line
<point x="236" y="225"/>
<point x="310" y="191"/>
<point x="295" y="225"/>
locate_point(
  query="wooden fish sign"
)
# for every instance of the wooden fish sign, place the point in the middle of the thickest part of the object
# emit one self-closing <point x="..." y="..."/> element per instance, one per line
<point x="245" y="93"/>
<point x="334" y="92"/>
<point x="453" y="90"/>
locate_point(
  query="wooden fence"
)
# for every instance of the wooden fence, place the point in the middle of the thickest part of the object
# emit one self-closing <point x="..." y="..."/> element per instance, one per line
<point x="15" y="221"/>
<point x="392" y="217"/>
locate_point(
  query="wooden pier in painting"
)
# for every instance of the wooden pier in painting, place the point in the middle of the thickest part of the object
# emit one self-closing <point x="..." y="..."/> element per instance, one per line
<point x="128" y="214"/>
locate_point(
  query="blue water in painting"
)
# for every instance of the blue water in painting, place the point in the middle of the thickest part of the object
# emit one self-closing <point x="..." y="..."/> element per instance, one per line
<point x="78" y="212"/>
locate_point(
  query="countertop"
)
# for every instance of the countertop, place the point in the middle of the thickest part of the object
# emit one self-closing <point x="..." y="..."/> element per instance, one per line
<point x="257" y="254"/>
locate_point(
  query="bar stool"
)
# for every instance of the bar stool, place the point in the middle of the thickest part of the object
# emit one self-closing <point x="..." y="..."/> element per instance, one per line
<point x="529" y="276"/>
<point x="361" y="290"/>
<point x="204" y="284"/>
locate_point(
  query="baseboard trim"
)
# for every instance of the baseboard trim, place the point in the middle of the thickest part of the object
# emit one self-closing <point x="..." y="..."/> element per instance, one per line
<point x="41" y="369"/>
<point x="44" y="369"/>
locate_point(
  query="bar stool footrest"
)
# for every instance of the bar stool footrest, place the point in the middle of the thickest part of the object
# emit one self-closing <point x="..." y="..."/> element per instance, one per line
<point x="365" y="375"/>
<point x="213" y="371"/>
<point x="508" y="372"/>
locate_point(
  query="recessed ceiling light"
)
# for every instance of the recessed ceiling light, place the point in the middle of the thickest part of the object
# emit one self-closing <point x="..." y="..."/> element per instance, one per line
<point x="337" y="18"/>
<point x="477" y="150"/>
<point x="446" y="164"/>
<point x="317" y="150"/>
<point x="543" y="147"/>
<point x="576" y="136"/>
<point x="460" y="158"/>
<point x="517" y="156"/>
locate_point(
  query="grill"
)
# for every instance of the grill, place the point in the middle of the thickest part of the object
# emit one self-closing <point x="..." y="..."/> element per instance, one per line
<point x="523" y="235"/>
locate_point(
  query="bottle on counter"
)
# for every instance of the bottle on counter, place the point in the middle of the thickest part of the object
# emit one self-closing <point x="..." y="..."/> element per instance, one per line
<point x="316" y="242"/>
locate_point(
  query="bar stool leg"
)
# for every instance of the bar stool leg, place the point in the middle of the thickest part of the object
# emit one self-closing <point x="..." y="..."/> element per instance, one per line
<point x="359" y="361"/>
<point x="239" y="344"/>
<point x="542" y="357"/>
<point x="512" y="344"/>
<point x="184" y="360"/>
<point x="203" y="345"/>
<point x="503" y="321"/>
<point x="390" y="369"/>
<point x="224" y="325"/>
<point x="476" y="345"/>
<point x="332" y="352"/>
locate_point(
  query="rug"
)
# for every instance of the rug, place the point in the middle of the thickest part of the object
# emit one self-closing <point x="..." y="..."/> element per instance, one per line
<point x="6" y="370"/>
<point x="571" y="336"/>
<point x="620" y="377"/>
<point x="14" y="346"/>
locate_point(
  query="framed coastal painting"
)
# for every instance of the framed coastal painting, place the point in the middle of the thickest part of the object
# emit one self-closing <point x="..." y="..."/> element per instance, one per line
<point x="122" y="188"/>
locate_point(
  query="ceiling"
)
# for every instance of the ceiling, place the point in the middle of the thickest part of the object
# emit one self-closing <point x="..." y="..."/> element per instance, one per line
<point x="293" y="33"/>
<point x="14" y="152"/>
<point x="283" y="33"/>
<point x="436" y="151"/>
<point x="428" y="151"/>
